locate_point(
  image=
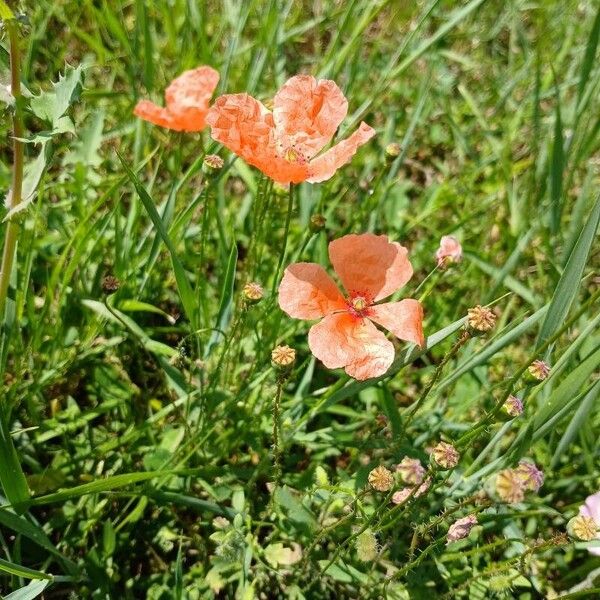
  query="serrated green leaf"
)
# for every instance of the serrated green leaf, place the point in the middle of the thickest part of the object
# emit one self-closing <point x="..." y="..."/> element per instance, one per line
<point x="52" y="105"/>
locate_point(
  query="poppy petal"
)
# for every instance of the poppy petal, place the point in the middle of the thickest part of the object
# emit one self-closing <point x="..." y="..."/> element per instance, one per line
<point x="323" y="167"/>
<point x="370" y="264"/>
<point x="342" y="340"/>
<point x="307" y="113"/>
<point x="192" y="89"/>
<point x="188" y="96"/>
<point x="245" y="126"/>
<point x="307" y="292"/>
<point x="404" y="319"/>
<point x="153" y="113"/>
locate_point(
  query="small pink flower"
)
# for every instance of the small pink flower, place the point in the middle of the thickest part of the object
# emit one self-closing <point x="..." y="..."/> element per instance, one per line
<point x="450" y="251"/>
<point x="591" y="509"/>
<point x="461" y="528"/>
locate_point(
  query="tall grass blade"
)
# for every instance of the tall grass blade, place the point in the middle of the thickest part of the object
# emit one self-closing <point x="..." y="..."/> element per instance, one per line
<point x="568" y="285"/>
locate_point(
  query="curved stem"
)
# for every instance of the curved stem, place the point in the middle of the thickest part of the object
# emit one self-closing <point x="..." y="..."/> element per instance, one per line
<point x="14" y="197"/>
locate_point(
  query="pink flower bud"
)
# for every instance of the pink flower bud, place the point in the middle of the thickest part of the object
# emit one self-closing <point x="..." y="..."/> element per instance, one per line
<point x="450" y="251"/>
<point x="461" y="528"/>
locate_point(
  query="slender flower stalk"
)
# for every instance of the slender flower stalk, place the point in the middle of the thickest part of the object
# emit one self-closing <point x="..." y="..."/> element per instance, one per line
<point x="14" y="197"/>
<point x="288" y="218"/>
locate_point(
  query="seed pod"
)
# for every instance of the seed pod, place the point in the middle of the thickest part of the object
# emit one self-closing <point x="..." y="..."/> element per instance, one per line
<point x="445" y="456"/>
<point x="252" y="292"/>
<point x="480" y="320"/>
<point x="582" y="528"/>
<point x="381" y="479"/>
<point x="283" y="358"/>
<point x="212" y="164"/>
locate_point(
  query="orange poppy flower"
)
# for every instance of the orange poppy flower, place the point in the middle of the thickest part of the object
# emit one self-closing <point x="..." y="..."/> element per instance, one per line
<point x="283" y="144"/>
<point x="187" y="99"/>
<point x="370" y="268"/>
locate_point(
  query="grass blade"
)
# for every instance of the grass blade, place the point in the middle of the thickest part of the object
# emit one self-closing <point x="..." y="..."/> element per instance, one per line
<point x="183" y="285"/>
<point x="12" y="478"/>
<point x="568" y="285"/>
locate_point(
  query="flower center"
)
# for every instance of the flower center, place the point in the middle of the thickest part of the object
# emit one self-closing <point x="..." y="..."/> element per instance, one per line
<point x="358" y="304"/>
<point x="293" y="156"/>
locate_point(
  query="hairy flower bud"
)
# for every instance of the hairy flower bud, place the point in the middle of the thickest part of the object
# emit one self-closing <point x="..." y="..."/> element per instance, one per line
<point x="392" y="151"/>
<point x="445" y="455"/>
<point x="110" y="284"/>
<point x="366" y="546"/>
<point x="461" y="528"/>
<point x="480" y="320"/>
<point x="582" y="528"/>
<point x="537" y="371"/>
<point x="411" y="470"/>
<point x="381" y="479"/>
<point x="513" y="407"/>
<point x="283" y="357"/>
<point x="531" y="476"/>
<point x="252" y="292"/>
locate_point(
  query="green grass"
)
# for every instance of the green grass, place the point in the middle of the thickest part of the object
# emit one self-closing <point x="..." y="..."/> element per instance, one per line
<point x="131" y="420"/>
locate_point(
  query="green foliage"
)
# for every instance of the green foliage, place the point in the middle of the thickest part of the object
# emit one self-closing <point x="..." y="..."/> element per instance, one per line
<point x="136" y="456"/>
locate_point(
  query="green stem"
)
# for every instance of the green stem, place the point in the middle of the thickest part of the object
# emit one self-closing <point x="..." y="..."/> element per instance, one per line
<point x="276" y="431"/>
<point x="286" y="231"/>
<point x="12" y="228"/>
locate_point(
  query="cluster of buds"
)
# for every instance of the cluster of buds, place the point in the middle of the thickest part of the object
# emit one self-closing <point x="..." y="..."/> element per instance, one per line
<point x="538" y="371"/>
<point x="511" y="485"/>
<point x="461" y="528"/>
<point x="445" y="456"/>
<point x="480" y="320"/>
<point x="381" y="479"/>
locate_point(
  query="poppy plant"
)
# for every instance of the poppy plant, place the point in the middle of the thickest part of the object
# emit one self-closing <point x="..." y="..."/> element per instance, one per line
<point x="371" y="268"/>
<point x="284" y="143"/>
<point x="187" y="99"/>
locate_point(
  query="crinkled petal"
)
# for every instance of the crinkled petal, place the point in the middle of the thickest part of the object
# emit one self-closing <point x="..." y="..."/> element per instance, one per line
<point x="370" y="264"/>
<point x="343" y="340"/>
<point x="404" y="319"/>
<point x="307" y="292"/>
<point x="158" y="115"/>
<point x="245" y="126"/>
<point x="187" y="99"/>
<point x="307" y="113"/>
<point x="323" y="167"/>
<point x="192" y="89"/>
